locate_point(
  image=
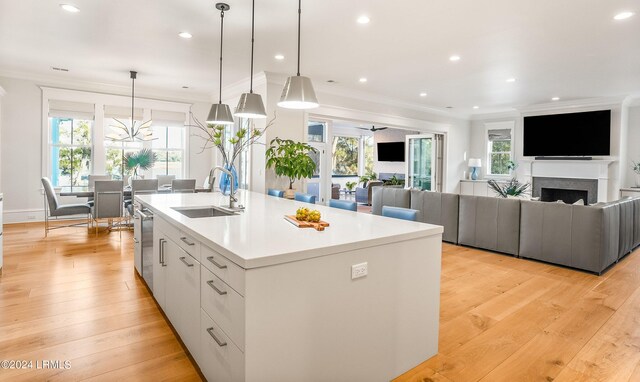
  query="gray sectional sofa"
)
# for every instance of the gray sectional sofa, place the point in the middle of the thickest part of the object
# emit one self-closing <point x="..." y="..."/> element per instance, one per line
<point x="590" y="238"/>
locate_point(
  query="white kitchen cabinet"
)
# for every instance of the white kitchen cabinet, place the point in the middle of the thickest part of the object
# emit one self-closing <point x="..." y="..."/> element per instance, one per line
<point x="159" y="266"/>
<point x="222" y="360"/>
<point x="182" y="295"/>
<point x="137" y="243"/>
<point x="224" y="305"/>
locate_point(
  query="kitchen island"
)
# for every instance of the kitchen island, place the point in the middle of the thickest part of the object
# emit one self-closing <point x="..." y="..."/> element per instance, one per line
<point x="255" y="298"/>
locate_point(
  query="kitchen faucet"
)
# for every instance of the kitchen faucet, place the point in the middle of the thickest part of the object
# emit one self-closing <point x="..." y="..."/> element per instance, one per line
<point x="232" y="199"/>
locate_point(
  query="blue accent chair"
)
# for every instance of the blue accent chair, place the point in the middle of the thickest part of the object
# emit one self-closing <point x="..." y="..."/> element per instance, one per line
<point x="343" y="204"/>
<point x="300" y="197"/>
<point x="400" y="213"/>
<point x="276" y="193"/>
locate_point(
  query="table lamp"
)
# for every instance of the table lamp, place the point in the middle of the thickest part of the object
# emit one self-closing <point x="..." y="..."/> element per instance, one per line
<point x="475" y="163"/>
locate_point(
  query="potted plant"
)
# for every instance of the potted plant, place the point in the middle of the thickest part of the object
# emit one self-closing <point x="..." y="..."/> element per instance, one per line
<point x="512" y="188"/>
<point x="139" y="160"/>
<point x="636" y="169"/>
<point x="290" y="159"/>
<point x="394" y="181"/>
<point x="350" y="185"/>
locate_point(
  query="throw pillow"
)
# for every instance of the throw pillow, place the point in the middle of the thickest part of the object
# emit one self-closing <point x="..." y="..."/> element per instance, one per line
<point x="579" y="202"/>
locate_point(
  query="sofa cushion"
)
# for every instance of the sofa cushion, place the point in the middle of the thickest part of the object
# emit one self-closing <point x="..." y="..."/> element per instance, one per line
<point x="438" y="208"/>
<point x="389" y="196"/>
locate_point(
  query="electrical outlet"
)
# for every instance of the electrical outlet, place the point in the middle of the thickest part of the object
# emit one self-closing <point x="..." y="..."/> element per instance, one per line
<point x="31" y="217"/>
<point x="359" y="270"/>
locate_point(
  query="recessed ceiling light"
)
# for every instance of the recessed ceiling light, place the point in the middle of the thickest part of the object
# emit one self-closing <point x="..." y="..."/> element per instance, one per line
<point x="555" y="99"/>
<point x="363" y="80"/>
<point x="623" y="15"/>
<point x="185" y="35"/>
<point x="476" y="107"/>
<point x="363" y="19"/>
<point x="278" y="57"/>
<point x="70" y="8"/>
<point x="454" y="58"/>
<point x="511" y="79"/>
<point x="423" y="94"/>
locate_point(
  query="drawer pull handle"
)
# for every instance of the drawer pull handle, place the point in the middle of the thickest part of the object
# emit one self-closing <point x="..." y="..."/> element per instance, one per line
<point x="136" y="240"/>
<point x="220" y="343"/>
<point x="183" y="259"/>
<point x="220" y="292"/>
<point x="214" y="262"/>
<point x="187" y="242"/>
<point x="161" y="259"/>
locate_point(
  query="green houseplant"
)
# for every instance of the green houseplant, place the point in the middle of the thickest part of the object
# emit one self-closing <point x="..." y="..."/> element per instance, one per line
<point x="511" y="188"/>
<point x="350" y="185"/>
<point x="290" y="159"/>
<point x="139" y="160"/>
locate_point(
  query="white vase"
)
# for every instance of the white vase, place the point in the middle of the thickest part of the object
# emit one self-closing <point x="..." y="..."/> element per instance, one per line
<point x="637" y="180"/>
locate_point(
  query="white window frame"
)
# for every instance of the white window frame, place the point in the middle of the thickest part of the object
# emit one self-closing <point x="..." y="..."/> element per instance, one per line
<point x="100" y="100"/>
<point x="489" y="126"/>
<point x="51" y="145"/>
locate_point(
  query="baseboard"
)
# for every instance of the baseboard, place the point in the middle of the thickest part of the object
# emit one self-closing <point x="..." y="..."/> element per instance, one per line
<point x="23" y="216"/>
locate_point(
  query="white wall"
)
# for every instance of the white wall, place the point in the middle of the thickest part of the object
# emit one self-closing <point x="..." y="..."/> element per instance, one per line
<point x="389" y="135"/>
<point x="21" y="146"/>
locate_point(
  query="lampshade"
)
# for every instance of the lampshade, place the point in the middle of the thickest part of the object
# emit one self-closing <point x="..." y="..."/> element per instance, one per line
<point x="475" y="162"/>
<point x="298" y="93"/>
<point x="220" y="114"/>
<point x="250" y="106"/>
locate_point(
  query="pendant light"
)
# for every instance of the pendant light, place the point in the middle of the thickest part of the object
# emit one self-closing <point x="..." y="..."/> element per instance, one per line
<point x="298" y="91"/>
<point x="220" y="114"/>
<point x="122" y="132"/>
<point x="250" y="104"/>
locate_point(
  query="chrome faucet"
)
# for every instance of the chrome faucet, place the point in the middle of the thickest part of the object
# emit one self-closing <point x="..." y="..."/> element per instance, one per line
<point x="232" y="199"/>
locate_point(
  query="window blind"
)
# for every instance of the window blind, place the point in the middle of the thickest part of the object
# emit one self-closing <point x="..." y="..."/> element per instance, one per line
<point x="68" y="109"/>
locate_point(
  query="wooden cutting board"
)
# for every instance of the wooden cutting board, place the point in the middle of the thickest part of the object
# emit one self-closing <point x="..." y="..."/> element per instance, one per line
<point x="319" y="226"/>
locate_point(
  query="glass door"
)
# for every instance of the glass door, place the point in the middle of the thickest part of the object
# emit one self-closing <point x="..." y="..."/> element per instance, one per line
<point x="421" y="159"/>
<point x="316" y="138"/>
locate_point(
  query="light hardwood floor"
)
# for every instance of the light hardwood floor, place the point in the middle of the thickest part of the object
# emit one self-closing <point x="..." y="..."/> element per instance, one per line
<point x="75" y="297"/>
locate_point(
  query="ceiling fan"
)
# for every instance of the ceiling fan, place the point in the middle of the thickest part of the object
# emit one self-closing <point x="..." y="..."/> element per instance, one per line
<point x="373" y="128"/>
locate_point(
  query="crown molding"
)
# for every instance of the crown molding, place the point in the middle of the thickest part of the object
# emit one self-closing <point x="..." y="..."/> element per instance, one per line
<point x="497" y="115"/>
<point x="236" y="89"/>
<point x="337" y="90"/>
<point x="563" y="106"/>
<point x="107" y="88"/>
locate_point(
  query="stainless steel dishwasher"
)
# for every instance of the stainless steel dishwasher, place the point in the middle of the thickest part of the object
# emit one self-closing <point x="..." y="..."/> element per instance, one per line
<point x="145" y="266"/>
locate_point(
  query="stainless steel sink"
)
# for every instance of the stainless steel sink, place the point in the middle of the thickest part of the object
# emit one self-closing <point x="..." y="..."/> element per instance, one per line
<point x="203" y="212"/>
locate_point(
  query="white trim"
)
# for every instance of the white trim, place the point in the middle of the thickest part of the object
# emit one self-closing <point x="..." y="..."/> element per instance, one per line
<point x="23" y="216"/>
<point x="568" y="106"/>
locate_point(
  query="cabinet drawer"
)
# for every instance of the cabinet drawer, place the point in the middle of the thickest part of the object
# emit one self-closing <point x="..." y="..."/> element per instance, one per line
<point x="225" y="269"/>
<point x="189" y="244"/>
<point x="224" y="305"/>
<point x="220" y="359"/>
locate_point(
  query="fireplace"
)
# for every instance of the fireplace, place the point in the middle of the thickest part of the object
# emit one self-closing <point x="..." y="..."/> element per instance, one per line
<point x="567" y="196"/>
<point x="568" y="190"/>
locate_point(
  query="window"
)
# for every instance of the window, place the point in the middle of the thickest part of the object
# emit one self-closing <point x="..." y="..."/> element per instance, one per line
<point x="70" y="151"/>
<point x="368" y="154"/>
<point x="345" y="156"/>
<point x="115" y="150"/>
<point x="499" y="151"/>
<point x="168" y="145"/>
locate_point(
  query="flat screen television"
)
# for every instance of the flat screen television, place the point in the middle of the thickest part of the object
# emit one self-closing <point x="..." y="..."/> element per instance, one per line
<point x="391" y="151"/>
<point x="573" y="134"/>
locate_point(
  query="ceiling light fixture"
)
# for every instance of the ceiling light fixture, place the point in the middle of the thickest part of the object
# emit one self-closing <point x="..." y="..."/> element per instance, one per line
<point x="363" y="19"/>
<point x="279" y="57"/>
<point x="298" y="91"/>
<point x="423" y="94"/>
<point x="363" y="80"/>
<point x="220" y="114"/>
<point x="476" y="107"/>
<point x="70" y="8"/>
<point x="250" y="104"/>
<point x="511" y="79"/>
<point x="454" y="58"/>
<point x="623" y="15"/>
<point x="185" y="35"/>
<point x="555" y="99"/>
<point x="133" y="132"/>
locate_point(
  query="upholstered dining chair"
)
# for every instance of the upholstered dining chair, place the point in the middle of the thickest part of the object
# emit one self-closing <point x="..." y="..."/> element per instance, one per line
<point x="343" y="204"/>
<point x="92" y="184"/>
<point x="165" y="180"/>
<point x="141" y="186"/>
<point x="53" y="209"/>
<point x="300" y="197"/>
<point x="183" y="185"/>
<point x="108" y="196"/>
<point x="276" y="193"/>
<point x="400" y="213"/>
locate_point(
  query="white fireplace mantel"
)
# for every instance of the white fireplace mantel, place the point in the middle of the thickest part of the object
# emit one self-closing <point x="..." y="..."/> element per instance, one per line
<point x="572" y="169"/>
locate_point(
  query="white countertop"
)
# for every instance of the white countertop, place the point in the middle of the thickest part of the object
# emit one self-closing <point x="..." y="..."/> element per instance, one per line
<point x="260" y="236"/>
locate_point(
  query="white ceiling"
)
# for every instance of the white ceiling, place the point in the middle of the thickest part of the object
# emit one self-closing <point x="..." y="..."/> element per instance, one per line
<point x="572" y="49"/>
